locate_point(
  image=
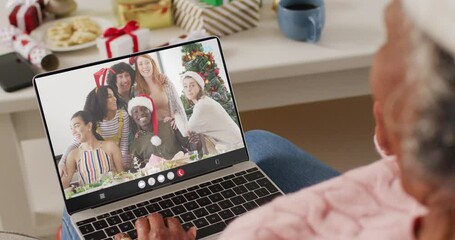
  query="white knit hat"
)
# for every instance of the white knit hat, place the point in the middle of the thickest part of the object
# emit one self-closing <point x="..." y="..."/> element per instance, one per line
<point x="146" y="101"/>
<point x="195" y="76"/>
<point x="434" y="18"/>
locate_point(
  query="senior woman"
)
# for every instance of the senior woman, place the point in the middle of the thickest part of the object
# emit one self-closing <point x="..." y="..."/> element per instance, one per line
<point x="410" y="192"/>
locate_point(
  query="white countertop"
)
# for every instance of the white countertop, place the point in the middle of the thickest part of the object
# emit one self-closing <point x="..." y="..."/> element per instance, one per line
<point x="352" y="34"/>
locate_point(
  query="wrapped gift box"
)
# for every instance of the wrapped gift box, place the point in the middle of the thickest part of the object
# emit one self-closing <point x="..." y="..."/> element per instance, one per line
<point x="26" y="16"/>
<point x="123" y="43"/>
<point x="216" y="2"/>
<point x="229" y="18"/>
<point x="148" y="13"/>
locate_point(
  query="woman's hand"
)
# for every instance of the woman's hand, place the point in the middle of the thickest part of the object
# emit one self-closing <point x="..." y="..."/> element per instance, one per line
<point x="172" y="120"/>
<point x="193" y="137"/>
<point x="154" y="227"/>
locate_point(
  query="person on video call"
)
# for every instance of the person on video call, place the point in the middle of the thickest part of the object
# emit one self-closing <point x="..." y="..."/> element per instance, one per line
<point x="112" y="122"/>
<point x="94" y="157"/>
<point x="154" y="137"/>
<point x="409" y="193"/>
<point x="151" y="82"/>
<point x="209" y="118"/>
<point x="122" y="80"/>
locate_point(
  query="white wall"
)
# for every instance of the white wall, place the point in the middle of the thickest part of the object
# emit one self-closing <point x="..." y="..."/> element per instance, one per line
<point x="64" y="94"/>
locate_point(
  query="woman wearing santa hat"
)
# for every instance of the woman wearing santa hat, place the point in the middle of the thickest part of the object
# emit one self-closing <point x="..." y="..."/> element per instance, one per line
<point x="209" y="118"/>
<point x="151" y="82"/>
<point x="154" y="138"/>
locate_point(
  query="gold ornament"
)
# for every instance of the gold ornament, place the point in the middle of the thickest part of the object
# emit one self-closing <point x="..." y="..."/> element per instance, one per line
<point x="206" y="81"/>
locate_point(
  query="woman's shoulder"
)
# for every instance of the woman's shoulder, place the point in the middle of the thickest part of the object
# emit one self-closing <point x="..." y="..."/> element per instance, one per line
<point x="163" y="79"/>
<point x="108" y="145"/>
<point x="74" y="154"/>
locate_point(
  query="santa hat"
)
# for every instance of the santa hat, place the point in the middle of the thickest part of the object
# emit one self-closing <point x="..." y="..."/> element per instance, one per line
<point x="435" y="18"/>
<point x="146" y="101"/>
<point x="195" y="76"/>
<point x="100" y="76"/>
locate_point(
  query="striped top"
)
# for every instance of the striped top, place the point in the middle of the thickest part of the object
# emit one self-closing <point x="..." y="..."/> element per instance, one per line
<point x="92" y="165"/>
<point x="108" y="130"/>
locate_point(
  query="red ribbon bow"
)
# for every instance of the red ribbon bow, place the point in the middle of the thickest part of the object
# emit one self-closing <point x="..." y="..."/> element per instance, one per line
<point x="113" y="33"/>
<point x="101" y="73"/>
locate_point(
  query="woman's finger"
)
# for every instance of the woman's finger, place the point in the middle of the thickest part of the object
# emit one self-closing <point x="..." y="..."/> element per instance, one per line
<point x="175" y="227"/>
<point x="142" y="227"/>
<point x="156" y="221"/>
<point x="191" y="234"/>
<point x="122" y="236"/>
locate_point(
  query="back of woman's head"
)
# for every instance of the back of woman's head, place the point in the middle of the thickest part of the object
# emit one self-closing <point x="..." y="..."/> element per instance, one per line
<point x="87" y="118"/>
<point x="96" y="102"/>
<point x="120" y="68"/>
<point x="432" y="139"/>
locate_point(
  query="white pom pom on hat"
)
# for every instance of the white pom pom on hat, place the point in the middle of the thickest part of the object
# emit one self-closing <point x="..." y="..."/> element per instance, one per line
<point x="146" y="101"/>
<point x="156" y="140"/>
<point x="435" y="18"/>
<point x="195" y="76"/>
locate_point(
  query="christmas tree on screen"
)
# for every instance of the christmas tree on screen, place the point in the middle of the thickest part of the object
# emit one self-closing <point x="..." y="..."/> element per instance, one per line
<point x="195" y="59"/>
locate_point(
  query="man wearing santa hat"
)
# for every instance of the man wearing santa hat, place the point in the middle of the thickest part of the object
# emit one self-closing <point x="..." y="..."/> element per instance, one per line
<point x="154" y="137"/>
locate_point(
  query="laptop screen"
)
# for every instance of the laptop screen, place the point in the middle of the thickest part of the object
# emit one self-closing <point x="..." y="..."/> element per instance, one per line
<point x="132" y="124"/>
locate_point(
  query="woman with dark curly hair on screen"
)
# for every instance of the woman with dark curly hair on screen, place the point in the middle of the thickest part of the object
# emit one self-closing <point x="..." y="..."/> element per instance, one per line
<point x="112" y="120"/>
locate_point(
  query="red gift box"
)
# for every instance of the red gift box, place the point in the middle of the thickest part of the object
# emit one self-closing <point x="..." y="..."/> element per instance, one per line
<point x="26" y="16"/>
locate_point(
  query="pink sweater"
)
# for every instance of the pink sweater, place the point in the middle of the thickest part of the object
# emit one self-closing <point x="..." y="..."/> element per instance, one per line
<point x="365" y="203"/>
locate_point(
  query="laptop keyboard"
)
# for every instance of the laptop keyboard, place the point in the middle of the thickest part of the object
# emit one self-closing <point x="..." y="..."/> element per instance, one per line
<point x="209" y="206"/>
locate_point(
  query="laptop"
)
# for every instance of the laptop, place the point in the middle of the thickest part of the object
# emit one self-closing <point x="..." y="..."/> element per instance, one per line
<point x="202" y="188"/>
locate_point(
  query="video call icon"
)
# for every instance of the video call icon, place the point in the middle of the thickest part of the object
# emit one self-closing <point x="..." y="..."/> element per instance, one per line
<point x="180" y="172"/>
<point x="161" y="178"/>
<point x="151" y="181"/>
<point x="170" y="175"/>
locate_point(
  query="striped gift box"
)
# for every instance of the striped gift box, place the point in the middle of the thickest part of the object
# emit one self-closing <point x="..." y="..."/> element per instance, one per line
<point x="232" y="17"/>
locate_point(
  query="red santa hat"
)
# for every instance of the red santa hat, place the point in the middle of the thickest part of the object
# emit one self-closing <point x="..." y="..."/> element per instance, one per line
<point x="100" y="76"/>
<point x="146" y="101"/>
<point x="194" y="75"/>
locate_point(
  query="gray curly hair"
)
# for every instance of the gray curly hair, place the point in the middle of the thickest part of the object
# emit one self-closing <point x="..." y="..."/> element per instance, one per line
<point x="430" y="142"/>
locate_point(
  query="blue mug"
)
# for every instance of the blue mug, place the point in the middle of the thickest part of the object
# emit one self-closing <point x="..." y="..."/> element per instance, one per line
<point x="301" y="20"/>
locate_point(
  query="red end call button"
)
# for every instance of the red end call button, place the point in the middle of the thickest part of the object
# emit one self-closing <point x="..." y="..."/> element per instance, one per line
<point x="180" y="172"/>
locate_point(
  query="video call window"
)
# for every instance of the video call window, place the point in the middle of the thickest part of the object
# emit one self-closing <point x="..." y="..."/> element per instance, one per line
<point x="122" y="120"/>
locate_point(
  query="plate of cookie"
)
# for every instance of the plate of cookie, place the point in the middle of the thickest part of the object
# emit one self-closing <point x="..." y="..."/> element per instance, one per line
<point x="71" y="34"/>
